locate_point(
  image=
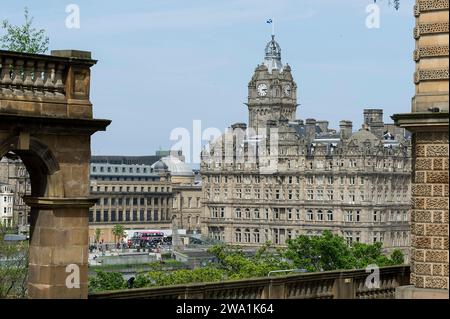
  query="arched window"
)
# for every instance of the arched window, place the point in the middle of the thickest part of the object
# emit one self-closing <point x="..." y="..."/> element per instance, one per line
<point x="309" y="215"/>
<point x="257" y="216"/>
<point x="256" y="237"/>
<point x="247" y="235"/>
<point x="247" y="213"/>
<point x="330" y="215"/>
<point x="238" y="235"/>
<point x="320" y="215"/>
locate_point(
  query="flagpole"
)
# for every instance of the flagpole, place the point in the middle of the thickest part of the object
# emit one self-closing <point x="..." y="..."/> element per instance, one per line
<point x="273" y="27"/>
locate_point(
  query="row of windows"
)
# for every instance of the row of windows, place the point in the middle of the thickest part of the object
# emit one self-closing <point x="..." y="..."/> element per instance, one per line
<point x="128" y="189"/>
<point x="128" y="216"/>
<point x="247" y="235"/>
<point x="309" y="179"/>
<point x="350" y="196"/>
<point x="124" y="179"/>
<point x="351" y="163"/>
<point x="310" y="215"/>
<point x="127" y="201"/>
<point x="109" y="169"/>
<point x="397" y="239"/>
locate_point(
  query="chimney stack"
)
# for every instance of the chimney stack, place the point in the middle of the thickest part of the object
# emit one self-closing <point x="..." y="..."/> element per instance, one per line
<point x="346" y="129"/>
<point x="310" y="129"/>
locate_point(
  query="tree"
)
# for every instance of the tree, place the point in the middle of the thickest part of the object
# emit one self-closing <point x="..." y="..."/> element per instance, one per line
<point x="24" y="38"/>
<point x="237" y="265"/>
<point x="319" y="253"/>
<point x="118" y="232"/>
<point x="397" y="257"/>
<point x="331" y="252"/>
<point x="179" y="277"/>
<point x="106" y="281"/>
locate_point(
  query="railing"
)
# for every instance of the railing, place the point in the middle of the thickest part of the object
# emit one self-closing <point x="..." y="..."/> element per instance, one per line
<point x="45" y="82"/>
<point x="346" y="284"/>
<point x="31" y="76"/>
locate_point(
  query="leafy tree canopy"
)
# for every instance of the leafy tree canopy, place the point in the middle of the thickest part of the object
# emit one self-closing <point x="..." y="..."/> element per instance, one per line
<point x="331" y="252"/>
<point x="24" y="38"/>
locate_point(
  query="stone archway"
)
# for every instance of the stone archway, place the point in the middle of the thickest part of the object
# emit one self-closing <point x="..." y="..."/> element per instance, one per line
<point x="47" y="121"/>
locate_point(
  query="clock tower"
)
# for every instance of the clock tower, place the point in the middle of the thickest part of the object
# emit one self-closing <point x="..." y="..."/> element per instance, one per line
<point x="272" y="92"/>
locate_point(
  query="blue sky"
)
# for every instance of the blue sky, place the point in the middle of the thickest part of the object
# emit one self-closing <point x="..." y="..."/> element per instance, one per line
<point x="164" y="63"/>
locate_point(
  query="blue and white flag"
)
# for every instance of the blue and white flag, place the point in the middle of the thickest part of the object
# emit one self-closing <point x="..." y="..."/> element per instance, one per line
<point x="269" y="21"/>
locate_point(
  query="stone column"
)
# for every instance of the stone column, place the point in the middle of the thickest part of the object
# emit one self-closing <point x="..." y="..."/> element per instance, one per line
<point x="428" y="123"/>
<point x="58" y="257"/>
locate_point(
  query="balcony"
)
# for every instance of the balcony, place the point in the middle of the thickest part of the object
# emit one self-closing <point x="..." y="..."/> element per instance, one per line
<point x="344" y="284"/>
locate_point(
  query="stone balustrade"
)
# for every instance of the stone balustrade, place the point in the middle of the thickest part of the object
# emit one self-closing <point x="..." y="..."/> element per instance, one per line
<point x="33" y="77"/>
<point x="47" y="84"/>
<point x="344" y="284"/>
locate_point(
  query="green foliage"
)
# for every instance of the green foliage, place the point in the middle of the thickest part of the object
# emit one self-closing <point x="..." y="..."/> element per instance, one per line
<point x="106" y="281"/>
<point x="172" y="263"/>
<point x="331" y="252"/>
<point x="179" y="277"/>
<point x="318" y="253"/>
<point x="165" y="256"/>
<point x="397" y="257"/>
<point x="232" y="264"/>
<point x="13" y="268"/>
<point x="238" y="266"/>
<point x="24" y="38"/>
<point x="118" y="232"/>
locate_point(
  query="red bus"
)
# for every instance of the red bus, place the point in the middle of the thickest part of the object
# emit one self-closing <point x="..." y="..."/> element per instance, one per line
<point x="143" y="237"/>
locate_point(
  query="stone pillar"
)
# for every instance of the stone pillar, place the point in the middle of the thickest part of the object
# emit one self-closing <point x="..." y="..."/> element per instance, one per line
<point x="428" y="122"/>
<point x="58" y="260"/>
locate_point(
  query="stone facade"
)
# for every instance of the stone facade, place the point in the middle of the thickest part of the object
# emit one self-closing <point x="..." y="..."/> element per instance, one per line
<point x="186" y="184"/>
<point x="128" y="194"/>
<point x="15" y="174"/>
<point x="429" y="124"/>
<point x="281" y="177"/>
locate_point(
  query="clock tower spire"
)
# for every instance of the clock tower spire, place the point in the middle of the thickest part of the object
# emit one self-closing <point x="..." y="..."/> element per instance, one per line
<point x="272" y="91"/>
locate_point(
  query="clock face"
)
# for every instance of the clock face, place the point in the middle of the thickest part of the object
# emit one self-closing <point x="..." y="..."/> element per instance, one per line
<point x="287" y="90"/>
<point x="262" y="89"/>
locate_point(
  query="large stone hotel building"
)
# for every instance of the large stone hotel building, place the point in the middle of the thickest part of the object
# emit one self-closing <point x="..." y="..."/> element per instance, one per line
<point x="279" y="177"/>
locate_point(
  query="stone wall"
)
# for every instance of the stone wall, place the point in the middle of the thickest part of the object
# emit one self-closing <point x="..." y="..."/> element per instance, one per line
<point x="430" y="211"/>
<point x="428" y="121"/>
